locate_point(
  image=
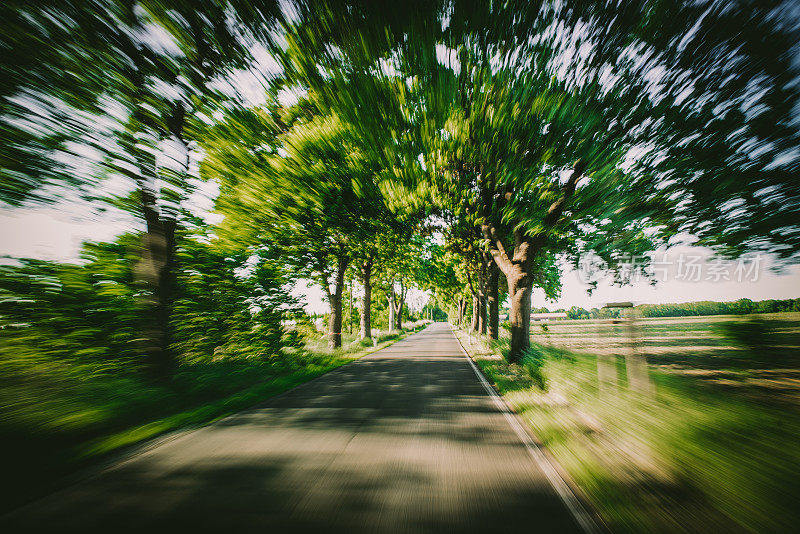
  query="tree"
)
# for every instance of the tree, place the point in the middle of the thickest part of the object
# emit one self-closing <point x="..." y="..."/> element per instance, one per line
<point x="539" y="131"/>
<point x="145" y="68"/>
<point x="576" y="312"/>
<point x="582" y="152"/>
<point x="311" y="193"/>
<point x="439" y="275"/>
<point x="381" y="250"/>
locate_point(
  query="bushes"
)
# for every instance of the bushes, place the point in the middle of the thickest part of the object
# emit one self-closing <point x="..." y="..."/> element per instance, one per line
<point x="387" y="336"/>
<point x="230" y="311"/>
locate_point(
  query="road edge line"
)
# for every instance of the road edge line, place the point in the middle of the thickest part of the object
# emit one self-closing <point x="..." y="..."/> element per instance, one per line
<point x="579" y="513"/>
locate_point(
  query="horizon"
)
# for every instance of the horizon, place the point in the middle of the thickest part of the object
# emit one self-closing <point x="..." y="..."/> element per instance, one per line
<point x="58" y="234"/>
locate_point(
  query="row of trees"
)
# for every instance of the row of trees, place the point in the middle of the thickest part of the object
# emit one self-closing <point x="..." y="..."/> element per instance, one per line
<point x="546" y="130"/>
<point x="310" y="191"/>
<point x="122" y="91"/>
<point x="737" y="307"/>
<point x="467" y="147"/>
<point x="147" y="95"/>
<point x="685" y="309"/>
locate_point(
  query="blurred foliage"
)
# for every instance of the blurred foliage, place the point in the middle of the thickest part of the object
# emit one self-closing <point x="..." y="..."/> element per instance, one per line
<point x="227" y="305"/>
<point x="553" y="128"/>
<point x="520" y="133"/>
<point x="83" y="313"/>
<point x="231" y="305"/>
<point x="709" y="450"/>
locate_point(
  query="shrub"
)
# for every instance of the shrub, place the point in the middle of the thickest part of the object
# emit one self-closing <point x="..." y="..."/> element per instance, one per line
<point x="387" y="337"/>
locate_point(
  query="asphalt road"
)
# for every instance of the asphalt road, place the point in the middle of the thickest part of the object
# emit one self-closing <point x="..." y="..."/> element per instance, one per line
<point x="404" y="440"/>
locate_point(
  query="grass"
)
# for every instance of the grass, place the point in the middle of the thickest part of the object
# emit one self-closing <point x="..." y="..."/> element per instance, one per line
<point x="711" y="444"/>
<point x="57" y="418"/>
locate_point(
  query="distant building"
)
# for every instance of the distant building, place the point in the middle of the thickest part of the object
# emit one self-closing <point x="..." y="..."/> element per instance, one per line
<point x="555" y="316"/>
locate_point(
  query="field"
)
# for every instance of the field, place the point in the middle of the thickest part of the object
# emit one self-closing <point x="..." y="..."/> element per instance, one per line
<point x="684" y="424"/>
<point x="707" y="348"/>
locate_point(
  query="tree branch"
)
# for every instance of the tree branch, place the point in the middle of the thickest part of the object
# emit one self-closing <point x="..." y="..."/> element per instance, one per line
<point x="557" y="207"/>
<point x="496" y="248"/>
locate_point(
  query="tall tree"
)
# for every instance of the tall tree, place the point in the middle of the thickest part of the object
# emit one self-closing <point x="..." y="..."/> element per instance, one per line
<point x="378" y="253"/>
<point x="567" y="123"/>
<point x="142" y="70"/>
<point x="314" y="197"/>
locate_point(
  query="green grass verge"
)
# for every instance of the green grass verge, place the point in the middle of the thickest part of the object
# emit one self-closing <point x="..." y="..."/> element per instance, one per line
<point x="56" y="419"/>
<point x="691" y="456"/>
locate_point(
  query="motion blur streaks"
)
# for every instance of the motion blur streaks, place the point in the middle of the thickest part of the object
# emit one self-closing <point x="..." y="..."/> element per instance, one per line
<point x="194" y="163"/>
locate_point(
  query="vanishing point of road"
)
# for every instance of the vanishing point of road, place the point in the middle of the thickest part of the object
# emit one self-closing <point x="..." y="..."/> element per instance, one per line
<point x="407" y="439"/>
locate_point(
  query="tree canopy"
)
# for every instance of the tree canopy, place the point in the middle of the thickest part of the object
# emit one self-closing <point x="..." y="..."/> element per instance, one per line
<point x="527" y="134"/>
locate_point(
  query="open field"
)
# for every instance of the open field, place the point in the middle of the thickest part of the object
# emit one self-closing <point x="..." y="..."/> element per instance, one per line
<point x="708" y="443"/>
<point x="701" y="347"/>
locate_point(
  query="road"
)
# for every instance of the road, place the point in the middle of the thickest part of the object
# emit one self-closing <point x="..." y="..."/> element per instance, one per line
<point x="404" y="440"/>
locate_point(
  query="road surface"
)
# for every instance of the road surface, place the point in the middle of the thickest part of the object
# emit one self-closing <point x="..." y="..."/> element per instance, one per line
<point x="404" y="440"/>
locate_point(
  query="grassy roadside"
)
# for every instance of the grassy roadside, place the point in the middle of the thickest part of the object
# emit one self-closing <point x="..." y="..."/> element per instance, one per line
<point x="690" y="457"/>
<point x="219" y="408"/>
<point x="55" y="423"/>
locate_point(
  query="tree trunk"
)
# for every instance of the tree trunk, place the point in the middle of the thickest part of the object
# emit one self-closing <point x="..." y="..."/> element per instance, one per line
<point x="156" y="268"/>
<point x="400" y="302"/>
<point x="460" y="315"/>
<point x="335" y="300"/>
<point x="475" y="313"/>
<point x="390" y="297"/>
<point x="335" y="321"/>
<point x="482" y="314"/>
<point x="518" y="266"/>
<point x="350" y="309"/>
<point x="366" y="303"/>
<point x="154" y="272"/>
<point x="494" y="301"/>
<point x="519" y="291"/>
<point x="399" y="314"/>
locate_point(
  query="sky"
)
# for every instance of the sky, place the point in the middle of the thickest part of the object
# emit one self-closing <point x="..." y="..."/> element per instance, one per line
<point x="685" y="274"/>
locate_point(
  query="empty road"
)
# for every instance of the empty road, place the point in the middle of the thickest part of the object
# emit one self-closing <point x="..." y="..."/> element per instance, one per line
<point x="404" y="440"/>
